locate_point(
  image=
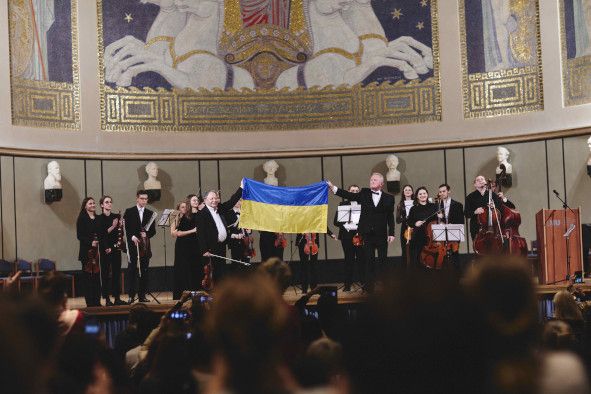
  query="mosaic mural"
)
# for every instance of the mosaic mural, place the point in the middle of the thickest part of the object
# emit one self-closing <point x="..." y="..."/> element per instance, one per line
<point x="575" y="18"/>
<point x="190" y="65"/>
<point x="44" y="63"/>
<point x="501" y="57"/>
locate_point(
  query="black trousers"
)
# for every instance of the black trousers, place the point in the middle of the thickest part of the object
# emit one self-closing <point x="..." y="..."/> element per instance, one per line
<point x="353" y="255"/>
<point x="308" y="273"/>
<point x="371" y="245"/>
<point x="267" y="245"/>
<point x="111" y="274"/>
<point x="92" y="287"/>
<point x="143" y="274"/>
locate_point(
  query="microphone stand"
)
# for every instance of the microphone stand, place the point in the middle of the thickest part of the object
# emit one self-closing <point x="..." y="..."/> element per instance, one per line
<point x="567" y="233"/>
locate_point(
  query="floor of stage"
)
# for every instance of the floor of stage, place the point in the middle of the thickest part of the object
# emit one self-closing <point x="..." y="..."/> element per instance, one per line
<point x="357" y="295"/>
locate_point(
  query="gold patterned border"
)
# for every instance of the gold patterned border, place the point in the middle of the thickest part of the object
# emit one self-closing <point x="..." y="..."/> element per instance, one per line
<point x="504" y="92"/>
<point x="576" y="73"/>
<point x="47" y="104"/>
<point x="132" y="109"/>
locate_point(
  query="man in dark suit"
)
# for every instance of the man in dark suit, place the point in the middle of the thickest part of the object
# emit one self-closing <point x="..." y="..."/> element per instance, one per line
<point x="136" y="220"/>
<point x="452" y="213"/>
<point x="211" y="229"/>
<point x="376" y="223"/>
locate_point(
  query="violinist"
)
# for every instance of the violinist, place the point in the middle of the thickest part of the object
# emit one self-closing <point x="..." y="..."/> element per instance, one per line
<point x="271" y="245"/>
<point x="353" y="252"/>
<point x="87" y="230"/>
<point x="402" y="211"/>
<point x="239" y="250"/>
<point x="452" y="213"/>
<point x="420" y="215"/>
<point x="183" y="230"/>
<point x="136" y="219"/>
<point x="476" y="203"/>
<point x="111" y="240"/>
<point x="308" y="247"/>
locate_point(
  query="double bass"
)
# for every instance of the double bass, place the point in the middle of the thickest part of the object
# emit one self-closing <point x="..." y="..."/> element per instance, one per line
<point x="510" y="222"/>
<point x="490" y="239"/>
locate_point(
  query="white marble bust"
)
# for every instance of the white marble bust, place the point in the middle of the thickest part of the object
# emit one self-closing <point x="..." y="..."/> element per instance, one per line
<point x="392" y="163"/>
<point x="503" y="158"/>
<point x="589" y="145"/>
<point x="54" y="177"/>
<point x="270" y="167"/>
<point x="152" y="183"/>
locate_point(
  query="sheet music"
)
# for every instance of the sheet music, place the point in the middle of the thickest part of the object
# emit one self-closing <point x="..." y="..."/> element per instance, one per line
<point x="349" y="213"/>
<point x="167" y="214"/>
<point x="455" y="232"/>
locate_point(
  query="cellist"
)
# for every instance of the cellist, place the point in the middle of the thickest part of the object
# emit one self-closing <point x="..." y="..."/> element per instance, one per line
<point x="420" y="215"/>
<point x="87" y="230"/>
<point x="476" y="202"/>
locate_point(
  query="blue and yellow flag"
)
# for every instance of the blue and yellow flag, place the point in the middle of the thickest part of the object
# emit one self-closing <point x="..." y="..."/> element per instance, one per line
<point x="302" y="209"/>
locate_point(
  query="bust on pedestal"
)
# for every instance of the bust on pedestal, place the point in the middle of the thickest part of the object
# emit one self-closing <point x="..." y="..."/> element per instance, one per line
<point x="589" y="160"/>
<point x="504" y="170"/>
<point x="393" y="175"/>
<point x="270" y="167"/>
<point x="53" y="183"/>
<point x="152" y="185"/>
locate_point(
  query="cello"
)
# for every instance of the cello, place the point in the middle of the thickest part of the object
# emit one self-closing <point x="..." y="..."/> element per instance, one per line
<point x="436" y="254"/>
<point x="490" y="239"/>
<point x="510" y="222"/>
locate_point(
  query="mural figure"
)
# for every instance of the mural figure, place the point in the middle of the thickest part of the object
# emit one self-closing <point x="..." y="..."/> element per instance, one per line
<point x="582" y="27"/>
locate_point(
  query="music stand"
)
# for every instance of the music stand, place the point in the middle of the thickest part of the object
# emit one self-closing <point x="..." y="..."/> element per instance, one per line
<point x="163" y="223"/>
<point x="350" y="214"/>
<point x="448" y="233"/>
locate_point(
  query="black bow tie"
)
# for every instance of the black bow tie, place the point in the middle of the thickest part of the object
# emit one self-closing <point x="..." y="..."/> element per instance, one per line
<point x="378" y="193"/>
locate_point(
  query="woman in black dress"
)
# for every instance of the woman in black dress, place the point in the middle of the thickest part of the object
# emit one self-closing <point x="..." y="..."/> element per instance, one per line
<point x="183" y="230"/>
<point x="87" y="232"/>
<point x="402" y="211"/>
<point x="420" y="215"/>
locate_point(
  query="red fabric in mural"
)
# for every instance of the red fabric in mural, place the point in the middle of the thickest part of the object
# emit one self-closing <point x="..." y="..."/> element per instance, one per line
<point x="272" y="12"/>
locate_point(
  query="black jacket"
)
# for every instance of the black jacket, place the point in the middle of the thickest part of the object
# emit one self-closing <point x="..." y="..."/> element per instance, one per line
<point x="207" y="231"/>
<point x="377" y="221"/>
<point x="86" y="230"/>
<point x="134" y="227"/>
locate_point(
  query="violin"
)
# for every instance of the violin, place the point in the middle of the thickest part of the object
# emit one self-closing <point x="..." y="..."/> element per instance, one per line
<point x="119" y="244"/>
<point x="92" y="266"/>
<point x="280" y="241"/>
<point x="489" y="239"/>
<point x="357" y="240"/>
<point x="311" y="248"/>
<point x="248" y="243"/>
<point x="207" y="281"/>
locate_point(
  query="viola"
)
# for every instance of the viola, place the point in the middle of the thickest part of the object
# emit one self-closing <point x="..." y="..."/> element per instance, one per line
<point x="207" y="281"/>
<point x="311" y="248"/>
<point x="357" y="240"/>
<point x="92" y="265"/>
<point x="280" y="241"/>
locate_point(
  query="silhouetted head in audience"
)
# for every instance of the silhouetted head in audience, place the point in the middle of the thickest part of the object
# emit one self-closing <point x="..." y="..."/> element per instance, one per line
<point x="322" y="365"/>
<point x="279" y="271"/>
<point x="246" y="324"/>
<point x="502" y="291"/>
<point x="557" y="335"/>
<point x="53" y="289"/>
<point x="415" y="335"/>
<point x="565" y="306"/>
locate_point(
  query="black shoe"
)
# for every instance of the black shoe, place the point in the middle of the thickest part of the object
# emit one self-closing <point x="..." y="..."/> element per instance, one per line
<point x="108" y="302"/>
<point x="119" y="301"/>
<point x="143" y="299"/>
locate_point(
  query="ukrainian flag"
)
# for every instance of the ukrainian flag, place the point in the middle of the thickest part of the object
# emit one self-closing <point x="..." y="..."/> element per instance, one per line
<point x="302" y="209"/>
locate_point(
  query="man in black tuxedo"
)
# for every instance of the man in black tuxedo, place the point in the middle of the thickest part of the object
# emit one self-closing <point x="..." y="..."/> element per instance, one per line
<point x="211" y="229"/>
<point x="376" y="223"/>
<point x="452" y="213"/>
<point x="136" y="219"/>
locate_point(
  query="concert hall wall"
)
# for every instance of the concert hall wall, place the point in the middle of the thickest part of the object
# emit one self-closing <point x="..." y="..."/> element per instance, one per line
<point x="32" y="229"/>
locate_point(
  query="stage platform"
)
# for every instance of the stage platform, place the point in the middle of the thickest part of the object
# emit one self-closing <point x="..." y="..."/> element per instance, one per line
<point x="292" y="294"/>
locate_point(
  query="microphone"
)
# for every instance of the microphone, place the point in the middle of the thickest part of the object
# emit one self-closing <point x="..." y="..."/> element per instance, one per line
<point x="555" y="192"/>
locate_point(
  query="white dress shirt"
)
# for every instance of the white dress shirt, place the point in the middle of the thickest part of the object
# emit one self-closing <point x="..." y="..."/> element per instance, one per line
<point x="375" y="196"/>
<point x="141" y="212"/>
<point x="222" y="234"/>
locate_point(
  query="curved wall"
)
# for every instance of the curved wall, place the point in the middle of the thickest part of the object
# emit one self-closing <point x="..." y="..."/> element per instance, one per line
<point x="452" y="130"/>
